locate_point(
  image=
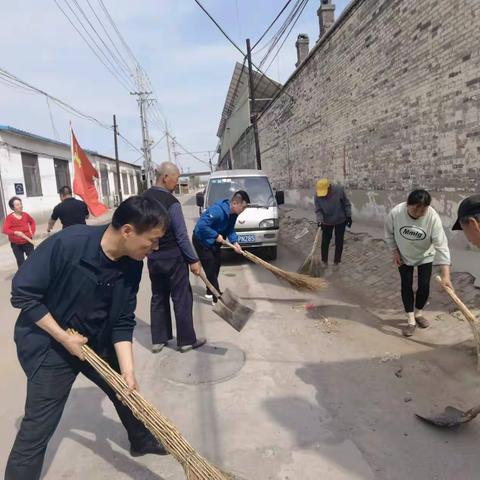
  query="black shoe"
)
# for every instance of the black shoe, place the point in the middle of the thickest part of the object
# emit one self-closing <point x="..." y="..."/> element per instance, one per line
<point x="150" y="447"/>
<point x="197" y="344"/>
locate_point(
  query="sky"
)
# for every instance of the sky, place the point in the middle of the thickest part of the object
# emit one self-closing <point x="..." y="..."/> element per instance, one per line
<point x="189" y="63"/>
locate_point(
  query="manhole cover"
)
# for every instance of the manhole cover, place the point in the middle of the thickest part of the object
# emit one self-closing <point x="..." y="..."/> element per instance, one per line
<point x="212" y="363"/>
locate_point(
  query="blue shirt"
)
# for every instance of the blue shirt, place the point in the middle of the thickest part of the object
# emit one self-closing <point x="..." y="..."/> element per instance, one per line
<point x="216" y="220"/>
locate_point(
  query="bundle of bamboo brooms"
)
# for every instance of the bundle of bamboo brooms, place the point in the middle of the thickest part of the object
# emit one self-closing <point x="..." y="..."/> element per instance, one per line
<point x="194" y="465"/>
<point x="296" y="280"/>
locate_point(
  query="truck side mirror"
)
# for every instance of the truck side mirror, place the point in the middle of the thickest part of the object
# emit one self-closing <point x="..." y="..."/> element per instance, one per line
<point x="200" y="198"/>
<point x="280" y="197"/>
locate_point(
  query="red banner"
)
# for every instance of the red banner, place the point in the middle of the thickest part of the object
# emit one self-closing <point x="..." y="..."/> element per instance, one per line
<point x="83" y="183"/>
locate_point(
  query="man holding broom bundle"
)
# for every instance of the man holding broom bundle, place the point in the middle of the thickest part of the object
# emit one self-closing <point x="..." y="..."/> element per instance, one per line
<point x="85" y="278"/>
<point x="216" y="225"/>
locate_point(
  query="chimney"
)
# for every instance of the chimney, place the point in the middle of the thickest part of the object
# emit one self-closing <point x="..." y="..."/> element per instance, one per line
<point x="326" y="16"/>
<point x="303" y="47"/>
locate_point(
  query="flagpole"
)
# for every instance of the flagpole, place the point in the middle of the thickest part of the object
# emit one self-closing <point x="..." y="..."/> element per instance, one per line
<point x="71" y="153"/>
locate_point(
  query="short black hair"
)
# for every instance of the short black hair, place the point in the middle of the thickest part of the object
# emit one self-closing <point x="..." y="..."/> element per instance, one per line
<point x="142" y="213"/>
<point x="65" y="190"/>
<point x="11" y="201"/>
<point x="419" y="197"/>
<point x="241" y="196"/>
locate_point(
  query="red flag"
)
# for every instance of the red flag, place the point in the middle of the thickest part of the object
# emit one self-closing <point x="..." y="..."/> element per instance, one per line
<point x="83" y="185"/>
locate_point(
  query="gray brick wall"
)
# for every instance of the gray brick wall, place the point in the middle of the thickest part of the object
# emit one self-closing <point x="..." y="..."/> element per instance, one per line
<point x="390" y="99"/>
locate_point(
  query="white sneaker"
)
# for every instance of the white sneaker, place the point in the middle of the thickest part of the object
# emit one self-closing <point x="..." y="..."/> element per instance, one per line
<point x="209" y="297"/>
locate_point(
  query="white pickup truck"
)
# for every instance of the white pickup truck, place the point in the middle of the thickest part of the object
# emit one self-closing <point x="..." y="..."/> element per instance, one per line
<point x="257" y="226"/>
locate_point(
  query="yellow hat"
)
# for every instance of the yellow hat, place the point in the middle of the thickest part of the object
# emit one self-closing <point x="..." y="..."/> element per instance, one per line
<point x="322" y="187"/>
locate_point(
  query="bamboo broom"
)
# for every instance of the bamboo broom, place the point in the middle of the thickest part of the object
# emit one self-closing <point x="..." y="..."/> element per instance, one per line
<point x="194" y="465"/>
<point x="471" y="318"/>
<point x="297" y="280"/>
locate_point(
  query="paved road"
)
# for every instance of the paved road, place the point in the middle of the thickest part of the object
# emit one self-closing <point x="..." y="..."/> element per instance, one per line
<point x="294" y="396"/>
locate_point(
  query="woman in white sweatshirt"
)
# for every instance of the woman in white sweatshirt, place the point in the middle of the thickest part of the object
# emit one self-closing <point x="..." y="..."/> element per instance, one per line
<point x="415" y="235"/>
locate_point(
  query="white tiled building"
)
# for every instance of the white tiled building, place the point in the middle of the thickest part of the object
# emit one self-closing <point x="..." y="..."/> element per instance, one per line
<point x="33" y="168"/>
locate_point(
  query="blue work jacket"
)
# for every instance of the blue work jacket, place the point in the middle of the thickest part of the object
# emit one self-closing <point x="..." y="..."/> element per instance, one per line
<point x="214" y="221"/>
<point x="60" y="278"/>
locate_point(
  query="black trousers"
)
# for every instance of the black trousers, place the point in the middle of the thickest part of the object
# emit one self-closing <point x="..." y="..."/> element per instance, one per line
<point x="423" y="291"/>
<point x="211" y="260"/>
<point x="170" y="278"/>
<point x="327" y="233"/>
<point x="21" y="252"/>
<point x="47" y="393"/>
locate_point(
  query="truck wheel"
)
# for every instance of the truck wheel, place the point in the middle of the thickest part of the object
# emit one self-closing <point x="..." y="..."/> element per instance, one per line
<point x="271" y="253"/>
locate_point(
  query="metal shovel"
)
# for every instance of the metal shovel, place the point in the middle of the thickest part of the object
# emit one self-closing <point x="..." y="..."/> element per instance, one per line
<point x="451" y="417"/>
<point x="228" y="306"/>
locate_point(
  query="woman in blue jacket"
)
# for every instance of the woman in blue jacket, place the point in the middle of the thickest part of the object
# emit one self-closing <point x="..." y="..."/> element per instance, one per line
<point x="216" y="224"/>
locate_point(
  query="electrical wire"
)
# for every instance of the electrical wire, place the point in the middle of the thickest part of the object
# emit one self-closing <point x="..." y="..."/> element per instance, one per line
<point x="60" y="103"/>
<point x="234" y="44"/>
<point x="272" y="24"/>
<point x="106" y="65"/>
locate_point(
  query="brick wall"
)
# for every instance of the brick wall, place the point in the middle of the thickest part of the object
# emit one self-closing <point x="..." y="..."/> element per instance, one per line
<point x="388" y="100"/>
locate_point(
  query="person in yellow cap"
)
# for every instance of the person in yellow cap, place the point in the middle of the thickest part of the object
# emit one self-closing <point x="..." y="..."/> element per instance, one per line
<point x="334" y="213"/>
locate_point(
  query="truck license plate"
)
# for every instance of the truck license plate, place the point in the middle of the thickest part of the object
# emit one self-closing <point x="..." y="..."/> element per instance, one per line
<point x="247" y="239"/>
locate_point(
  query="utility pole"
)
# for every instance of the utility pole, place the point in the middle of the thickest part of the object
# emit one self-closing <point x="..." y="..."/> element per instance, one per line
<point x="167" y="138"/>
<point x="253" y="115"/>
<point x="117" y="163"/>
<point x="143" y="101"/>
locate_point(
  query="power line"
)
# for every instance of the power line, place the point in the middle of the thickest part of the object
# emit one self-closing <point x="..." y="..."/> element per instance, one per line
<point x="108" y="67"/>
<point x="65" y="106"/>
<point x="272" y="24"/>
<point x="115" y="61"/>
<point x="235" y="45"/>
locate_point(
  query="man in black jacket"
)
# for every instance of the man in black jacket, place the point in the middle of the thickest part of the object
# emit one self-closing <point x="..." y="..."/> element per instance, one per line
<point x="85" y="278"/>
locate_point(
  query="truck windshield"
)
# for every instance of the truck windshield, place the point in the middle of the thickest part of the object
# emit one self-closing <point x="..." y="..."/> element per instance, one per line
<point x="258" y="189"/>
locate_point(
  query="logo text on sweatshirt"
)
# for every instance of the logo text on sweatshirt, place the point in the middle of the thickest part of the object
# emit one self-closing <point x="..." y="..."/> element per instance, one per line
<point x="413" y="233"/>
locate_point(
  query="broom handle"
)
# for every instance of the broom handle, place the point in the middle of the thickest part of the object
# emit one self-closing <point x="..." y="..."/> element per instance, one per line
<point x="228" y="244"/>
<point x="463" y="308"/>
<point x="208" y="284"/>
<point x="315" y="242"/>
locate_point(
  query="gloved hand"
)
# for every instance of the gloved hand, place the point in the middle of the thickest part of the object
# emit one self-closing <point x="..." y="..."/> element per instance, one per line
<point x="349" y="222"/>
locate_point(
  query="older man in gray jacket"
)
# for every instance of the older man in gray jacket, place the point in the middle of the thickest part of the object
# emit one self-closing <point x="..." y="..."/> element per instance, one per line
<point x="334" y="212"/>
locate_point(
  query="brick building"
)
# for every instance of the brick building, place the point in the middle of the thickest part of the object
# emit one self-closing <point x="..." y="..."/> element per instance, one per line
<point x="386" y="100"/>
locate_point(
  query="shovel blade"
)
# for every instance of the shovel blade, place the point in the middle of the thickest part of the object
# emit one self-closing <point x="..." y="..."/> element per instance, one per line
<point x="232" y="311"/>
<point x="450" y="417"/>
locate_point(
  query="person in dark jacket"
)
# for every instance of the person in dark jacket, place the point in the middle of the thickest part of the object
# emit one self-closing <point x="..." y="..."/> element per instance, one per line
<point x="85" y="278"/>
<point x="168" y="268"/>
<point x="70" y="211"/>
<point x="334" y="213"/>
<point x="216" y="224"/>
<point x="468" y="219"/>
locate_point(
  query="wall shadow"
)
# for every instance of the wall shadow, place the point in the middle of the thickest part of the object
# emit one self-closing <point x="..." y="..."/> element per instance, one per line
<point x="364" y="402"/>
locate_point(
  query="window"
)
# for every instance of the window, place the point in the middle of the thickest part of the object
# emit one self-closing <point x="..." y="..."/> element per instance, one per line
<point x="62" y="173"/>
<point x="104" y="180"/>
<point x="132" y="185"/>
<point x="126" y="191"/>
<point x="31" y="174"/>
<point x="258" y="189"/>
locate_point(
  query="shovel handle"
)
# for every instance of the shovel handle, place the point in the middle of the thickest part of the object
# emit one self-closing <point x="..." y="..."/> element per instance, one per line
<point x="463" y="308"/>
<point x="208" y="284"/>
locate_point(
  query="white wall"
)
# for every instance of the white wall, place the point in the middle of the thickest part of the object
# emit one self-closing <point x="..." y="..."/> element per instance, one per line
<point x="11" y="172"/>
